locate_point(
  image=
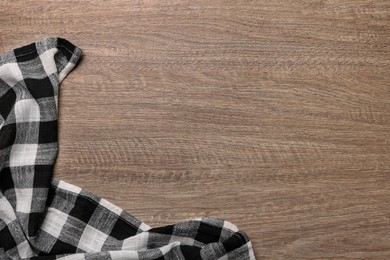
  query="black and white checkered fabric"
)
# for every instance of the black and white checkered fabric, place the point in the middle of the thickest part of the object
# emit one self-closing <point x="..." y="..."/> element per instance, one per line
<point x="45" y="218"/>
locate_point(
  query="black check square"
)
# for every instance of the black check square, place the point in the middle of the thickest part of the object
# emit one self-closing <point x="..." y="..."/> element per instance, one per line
<point x="6" y="239"/>
<point x="42" y="179"/>
<point x="83" y="209"/>
<point x="190" y="252"/>
<point x="163" y="230"/>
<point x="66" y="48"/>
<point x="208" y="234"/>
<point x="39" y="88"/>
<point x="122" y="230"/>
<point x="6" y="181"/>
<point x="8" y="135"/>
<point x="7" y="102"/>
<point x="61" y="247"/>
<point x="26" y="53"/>
<point x="34" y="221"/>
<point x="43" y="257"/>
<point x="47" y="132"/>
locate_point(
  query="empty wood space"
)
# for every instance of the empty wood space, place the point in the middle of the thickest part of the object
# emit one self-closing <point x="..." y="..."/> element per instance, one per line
<point x="274" y="115"/>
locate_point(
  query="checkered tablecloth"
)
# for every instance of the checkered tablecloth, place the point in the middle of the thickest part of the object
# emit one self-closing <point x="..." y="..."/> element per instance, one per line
<point x="45" y="218"/>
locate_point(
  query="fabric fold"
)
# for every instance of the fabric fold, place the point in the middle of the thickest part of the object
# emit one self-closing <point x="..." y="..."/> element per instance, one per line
<point x="46" y="218"/>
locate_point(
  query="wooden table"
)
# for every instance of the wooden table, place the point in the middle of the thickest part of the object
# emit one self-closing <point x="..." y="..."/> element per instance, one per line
<point x="274" y="115"/>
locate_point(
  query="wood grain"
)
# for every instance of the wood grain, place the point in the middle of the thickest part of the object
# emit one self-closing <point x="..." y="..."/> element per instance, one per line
<point x="274" y="115"/>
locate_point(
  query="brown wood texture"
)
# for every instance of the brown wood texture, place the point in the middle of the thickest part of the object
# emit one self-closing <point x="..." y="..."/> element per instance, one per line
<point x="274" y="115"/>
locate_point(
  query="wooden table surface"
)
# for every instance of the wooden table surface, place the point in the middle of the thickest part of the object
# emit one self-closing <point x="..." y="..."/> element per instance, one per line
<point x="274" y="115"/>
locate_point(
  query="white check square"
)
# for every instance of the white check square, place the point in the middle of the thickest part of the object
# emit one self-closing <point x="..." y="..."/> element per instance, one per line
<point x="54" y="222"/>
<point x="92" y="239"/>
<point x="11" y="73"/>
<point x="69" y="187"/>
<point x="123" y="255"/>
<point x="25" y="250"/>
<point x="48" y="62"/>
<point x="65" y="71"/>
<point x="23" y="200"/>
<point x="27" y="110"/>
<point x="111" y="207"/>
<point x="136" y="243"/>
<point x="230" y="226"/>
<point x="23" y="154"/>
<point x="7" y="213"/>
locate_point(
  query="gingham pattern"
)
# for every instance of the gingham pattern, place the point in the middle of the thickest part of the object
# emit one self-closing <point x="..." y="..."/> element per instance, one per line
<point x="44" y="218"/>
